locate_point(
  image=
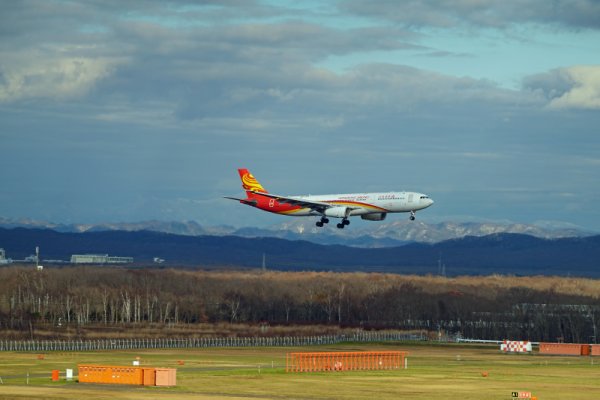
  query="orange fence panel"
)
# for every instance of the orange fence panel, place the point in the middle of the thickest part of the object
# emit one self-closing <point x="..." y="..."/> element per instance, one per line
<point x="565" y="349"/>
<point x="344" y="361"/>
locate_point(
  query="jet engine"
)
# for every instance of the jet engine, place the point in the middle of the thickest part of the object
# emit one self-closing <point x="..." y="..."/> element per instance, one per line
<point x="337" y="212"/>
<point x="374" y="216"/>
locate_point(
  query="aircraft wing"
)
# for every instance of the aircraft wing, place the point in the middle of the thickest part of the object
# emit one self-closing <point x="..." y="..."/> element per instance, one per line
<point x="318" y="206"/>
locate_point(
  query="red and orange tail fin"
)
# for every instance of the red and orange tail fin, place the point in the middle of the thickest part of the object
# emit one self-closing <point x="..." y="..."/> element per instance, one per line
<point x="249" y="182"/>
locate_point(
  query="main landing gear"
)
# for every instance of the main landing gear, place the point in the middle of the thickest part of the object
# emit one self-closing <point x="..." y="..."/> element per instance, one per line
<point x="322" y="221"/>
<point x="412" y="216"/>
<point x="325" y="220"/>
<point x="343" y="223"/>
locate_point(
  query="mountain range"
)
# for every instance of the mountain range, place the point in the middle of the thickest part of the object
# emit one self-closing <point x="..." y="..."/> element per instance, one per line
<point x="373" y="235"/>
<point x="498" y="253"/>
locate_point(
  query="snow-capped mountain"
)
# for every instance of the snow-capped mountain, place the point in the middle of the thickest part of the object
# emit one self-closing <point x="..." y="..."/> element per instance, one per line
<point x="380" y="234"/>
<point x="416" y="231"/>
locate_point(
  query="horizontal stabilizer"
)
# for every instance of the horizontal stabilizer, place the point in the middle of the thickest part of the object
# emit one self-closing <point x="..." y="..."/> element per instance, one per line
<point x="250" y="202"/>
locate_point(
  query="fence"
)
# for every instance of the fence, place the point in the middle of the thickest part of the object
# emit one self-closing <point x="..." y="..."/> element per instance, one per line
<point x="174" y="343"/>
<point x="566" y="349"/>
<point x="344" y="361"/>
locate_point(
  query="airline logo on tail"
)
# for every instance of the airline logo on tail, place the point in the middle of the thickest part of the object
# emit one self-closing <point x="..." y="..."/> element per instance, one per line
<point x="249" y="182"/>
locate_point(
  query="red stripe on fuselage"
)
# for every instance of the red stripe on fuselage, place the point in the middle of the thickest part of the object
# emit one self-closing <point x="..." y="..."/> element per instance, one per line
<point x="270" y="204"/>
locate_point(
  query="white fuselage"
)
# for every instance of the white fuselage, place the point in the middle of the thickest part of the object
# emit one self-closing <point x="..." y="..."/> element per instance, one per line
<point x="369" y="203"/>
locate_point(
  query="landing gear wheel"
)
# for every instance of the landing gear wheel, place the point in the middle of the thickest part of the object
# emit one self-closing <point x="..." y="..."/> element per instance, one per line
<point x="341" y="225"/>
<point x="323" y="221"/>
<point x="412" y="216"/>
<point x="346" y="222"/>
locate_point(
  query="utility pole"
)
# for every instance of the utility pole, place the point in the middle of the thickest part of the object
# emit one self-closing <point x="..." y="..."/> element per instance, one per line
<point x="441" y="267"/>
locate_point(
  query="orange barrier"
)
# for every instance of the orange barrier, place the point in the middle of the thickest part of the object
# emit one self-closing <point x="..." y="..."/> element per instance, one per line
<point x="55" y="373"/>
<point x="127" y="375"/>
<point x="344" y="361"/>
<point x="595" y="350"/>
<point x="585" y="349"/>
<point x="565" y="349"/>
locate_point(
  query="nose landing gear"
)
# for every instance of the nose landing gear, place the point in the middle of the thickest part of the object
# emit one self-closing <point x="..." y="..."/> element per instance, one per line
<point x="412" y="216"/>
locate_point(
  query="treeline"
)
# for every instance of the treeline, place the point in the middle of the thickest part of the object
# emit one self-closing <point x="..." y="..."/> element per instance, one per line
<point x="496" y="307"/>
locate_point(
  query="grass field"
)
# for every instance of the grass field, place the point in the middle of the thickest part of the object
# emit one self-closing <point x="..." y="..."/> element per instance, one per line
<point x="434" y="372"/>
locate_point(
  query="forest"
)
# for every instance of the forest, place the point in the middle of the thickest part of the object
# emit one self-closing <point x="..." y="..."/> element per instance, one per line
<point x="494" y="307"/>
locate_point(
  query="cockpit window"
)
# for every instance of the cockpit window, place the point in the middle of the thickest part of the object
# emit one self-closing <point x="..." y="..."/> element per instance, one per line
<point x="424" y="197"/>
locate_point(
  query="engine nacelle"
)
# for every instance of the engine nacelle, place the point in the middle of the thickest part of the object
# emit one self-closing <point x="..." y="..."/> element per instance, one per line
<point x="337" y="212"/>
<point x="374" y="216"/>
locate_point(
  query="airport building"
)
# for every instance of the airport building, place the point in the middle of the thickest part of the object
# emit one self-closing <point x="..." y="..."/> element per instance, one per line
<point x="99" y="259"/>
<point x="3" y="259"/>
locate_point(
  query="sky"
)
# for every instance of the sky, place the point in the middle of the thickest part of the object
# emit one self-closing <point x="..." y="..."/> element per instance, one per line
<point x="124" y="111"/>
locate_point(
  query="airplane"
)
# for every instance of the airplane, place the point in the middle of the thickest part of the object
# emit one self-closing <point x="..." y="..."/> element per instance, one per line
<point x="370" y="206"/>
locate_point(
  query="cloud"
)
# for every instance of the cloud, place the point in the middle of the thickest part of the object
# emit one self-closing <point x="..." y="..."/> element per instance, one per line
<point x="59" y="77"/>
<point x="571" y="14"/>
<point x="117" y="53"/>
<point x="166" y="99"/>
<point x="585" y="91"/>
<point x="576" y="87"/>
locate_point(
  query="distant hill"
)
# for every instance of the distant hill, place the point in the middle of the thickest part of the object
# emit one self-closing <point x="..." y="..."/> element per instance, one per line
<point x="392" y="233"/>
<point x="497" y="253"/>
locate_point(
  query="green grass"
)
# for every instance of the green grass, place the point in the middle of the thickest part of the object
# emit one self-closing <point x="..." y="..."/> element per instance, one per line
<point x="434" y="372"/>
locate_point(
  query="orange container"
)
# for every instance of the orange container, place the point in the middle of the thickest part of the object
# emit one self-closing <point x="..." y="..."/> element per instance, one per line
<point x="149" y="377"/>
<point x="111" y="374"/>
<point x="55" y="375"/>
<point x="166" y="376"/>
<point x="127" y="375"/>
